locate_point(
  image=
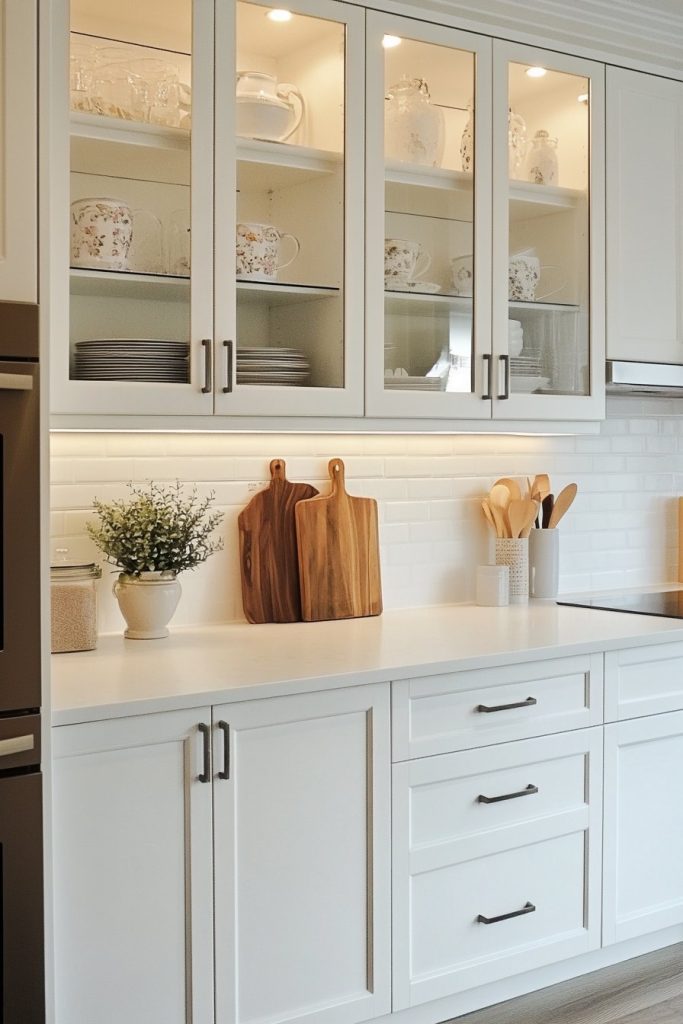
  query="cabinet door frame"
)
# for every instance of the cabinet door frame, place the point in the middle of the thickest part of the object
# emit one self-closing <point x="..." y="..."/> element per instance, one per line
<point x="432" y="405"/>
<point x="293" y="401"/>
<point x="112" y="398"/>
<point x="531" y="406"/>
<point x="146" y="731"/>
<point x="618" y="736"/>
<point x="373" y="700"/>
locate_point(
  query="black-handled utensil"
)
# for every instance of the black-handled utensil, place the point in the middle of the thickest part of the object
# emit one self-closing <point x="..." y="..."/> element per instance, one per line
<point x="548" y="503"/>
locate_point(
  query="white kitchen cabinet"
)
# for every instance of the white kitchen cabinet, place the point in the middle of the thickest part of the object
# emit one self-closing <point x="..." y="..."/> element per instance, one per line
<point x="132" y="871"/>
<point x="302" y="858"/>
<point x="484" y="275"/>
<point x="18" y="151"/>
<point x="285" y="862"/>
<point x="644" y="217"/>
<point x="496" y="862"/>
<point x="643" y="833"/>
<point x="154" y="121"/>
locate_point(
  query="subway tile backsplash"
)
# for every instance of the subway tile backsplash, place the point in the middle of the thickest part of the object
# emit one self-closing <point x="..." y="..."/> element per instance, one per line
<point x="620" y="532"/>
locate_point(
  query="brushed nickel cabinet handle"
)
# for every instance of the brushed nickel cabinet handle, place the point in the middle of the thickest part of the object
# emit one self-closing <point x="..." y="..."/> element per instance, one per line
<point x="228" y="346"/>
<point x="16" y="382"/>
<point x="487" y="709"/>
<point x="527" y="791"/>
<point x="225" y="729"/>
<point x="205" y="776"/>
<point x="208" y="367"/>
<point x="528" y="908"/>
<point x="488" y="364"/>
<point x="17" y="745"/>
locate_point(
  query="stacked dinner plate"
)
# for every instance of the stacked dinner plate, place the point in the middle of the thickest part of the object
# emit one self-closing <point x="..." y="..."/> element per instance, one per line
<point x="526" y="372"/>
<point x="130" y="359"/>
<point x="273" y="367"/>
<point x="399" y="380"/>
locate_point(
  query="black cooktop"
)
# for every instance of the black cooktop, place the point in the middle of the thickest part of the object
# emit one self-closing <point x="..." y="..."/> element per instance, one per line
<point x="668" y="603"/>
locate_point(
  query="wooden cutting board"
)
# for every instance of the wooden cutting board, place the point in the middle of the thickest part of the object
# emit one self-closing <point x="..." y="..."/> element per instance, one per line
<point x="338" y="540"/>
<point x="268" y="557"/>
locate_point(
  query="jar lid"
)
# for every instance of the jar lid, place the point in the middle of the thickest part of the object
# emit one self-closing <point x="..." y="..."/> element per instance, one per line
<point x="87" y="571"/>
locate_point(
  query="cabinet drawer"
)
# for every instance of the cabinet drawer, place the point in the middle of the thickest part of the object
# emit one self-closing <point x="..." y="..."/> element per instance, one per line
<point x="461" y="710"/>
<point x="643" y="681"/>
<point x="464" y="803"/>
<point x="448" y="948"/>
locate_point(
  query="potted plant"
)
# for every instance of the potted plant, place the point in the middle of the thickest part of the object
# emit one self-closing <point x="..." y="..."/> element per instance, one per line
<point x="153" y="536"/>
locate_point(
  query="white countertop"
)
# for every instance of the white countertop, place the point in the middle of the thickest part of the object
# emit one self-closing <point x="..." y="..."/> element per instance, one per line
<point x="215" y="664"/>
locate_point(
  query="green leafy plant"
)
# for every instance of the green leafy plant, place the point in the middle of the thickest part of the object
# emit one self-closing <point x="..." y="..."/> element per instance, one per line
<point x="158" y="529"/>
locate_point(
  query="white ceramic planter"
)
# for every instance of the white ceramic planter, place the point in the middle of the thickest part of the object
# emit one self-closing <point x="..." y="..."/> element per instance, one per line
<point x="147" y="604"/>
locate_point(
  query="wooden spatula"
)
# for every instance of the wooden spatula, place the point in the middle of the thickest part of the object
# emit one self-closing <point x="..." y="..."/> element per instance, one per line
<point x="562" y="504"/>
<point x="488" y="515"/>
<point x="521" y="514"/>
<point x="547" y="506"/>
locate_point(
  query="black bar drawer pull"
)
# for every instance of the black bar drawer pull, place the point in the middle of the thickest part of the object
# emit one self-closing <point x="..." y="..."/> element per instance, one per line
<point x="488" y="394"/>
<point x="528" y="908"/>
<point x="225" y="729"/>
<point x="228" y="346"/>
<point x="505" y="360"/>
<point x="208" y="366"/>
<point x="206" y="774"/>
<point x="527" y="791"/>
<point x="486" y="710"/>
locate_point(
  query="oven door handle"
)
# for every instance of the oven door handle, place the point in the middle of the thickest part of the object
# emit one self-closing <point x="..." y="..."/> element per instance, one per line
<point x="16" y="382"/>
<point x="17" y="745"/>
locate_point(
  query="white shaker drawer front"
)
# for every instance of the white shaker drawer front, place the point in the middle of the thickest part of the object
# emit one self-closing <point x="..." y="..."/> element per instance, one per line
<point x="471" y="923"/>
<point x="439" y="714"/>
<point x="643" y="681"/>
<point x="470" y="800"/>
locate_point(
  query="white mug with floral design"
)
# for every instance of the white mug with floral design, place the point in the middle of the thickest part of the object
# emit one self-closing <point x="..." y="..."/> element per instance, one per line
<point x="258" y="251"/>
<point x="101" y="233"/>
<point x="402" y="260"/>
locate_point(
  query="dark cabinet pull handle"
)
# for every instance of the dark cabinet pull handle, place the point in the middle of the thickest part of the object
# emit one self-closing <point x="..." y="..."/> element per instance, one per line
<point x="208" y="368"/>
<point x="486" y="710"/>
<point x="528" y="791"/>
<point x="225" y="729"/>
<point x="489" y="370"/>
<point x="528" y="908"/>
<point x="506" y="364"/>
<point x="206" y="774"/>
<point x="228" y="346"/>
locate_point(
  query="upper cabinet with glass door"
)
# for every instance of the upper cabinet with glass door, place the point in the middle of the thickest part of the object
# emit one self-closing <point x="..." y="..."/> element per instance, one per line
<point x="548" y="211"/>
<point x="136" y="336"/>
<point x="428" y="213"/>
<point x="289" y="209"/>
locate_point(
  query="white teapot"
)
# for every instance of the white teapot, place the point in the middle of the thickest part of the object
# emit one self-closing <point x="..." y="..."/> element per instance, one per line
<point x="266" y="110"/>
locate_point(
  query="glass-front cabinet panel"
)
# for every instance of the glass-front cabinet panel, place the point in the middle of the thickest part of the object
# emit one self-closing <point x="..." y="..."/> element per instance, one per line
<point x="546" y="203"/>
<point x="289" y="205"/>
<point x="428" y="141"/>
<point x="139" y="207"/>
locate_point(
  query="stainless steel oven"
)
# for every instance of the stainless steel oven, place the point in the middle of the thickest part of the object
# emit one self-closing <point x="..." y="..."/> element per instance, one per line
<point x="21" y="846"/>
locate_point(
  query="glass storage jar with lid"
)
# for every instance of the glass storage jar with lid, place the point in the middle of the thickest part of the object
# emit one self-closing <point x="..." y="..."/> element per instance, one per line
<point x="74" y="606"/>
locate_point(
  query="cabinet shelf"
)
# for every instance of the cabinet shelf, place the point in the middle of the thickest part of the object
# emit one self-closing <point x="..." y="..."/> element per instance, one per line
<point x="263" y="293"/>
<point x="543" y="307"/>
<point x="421" y="304"/>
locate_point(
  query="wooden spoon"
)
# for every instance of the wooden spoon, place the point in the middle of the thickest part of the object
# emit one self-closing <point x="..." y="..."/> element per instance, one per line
<point x="562" y="504"/>
<point x="512" y="486"/>
<point x="499" y="499"/>
<point x="521" y="514"/>
<point x="533" y="519"/>
<point x="500" y="519"/>
<point x="488" y="515"/>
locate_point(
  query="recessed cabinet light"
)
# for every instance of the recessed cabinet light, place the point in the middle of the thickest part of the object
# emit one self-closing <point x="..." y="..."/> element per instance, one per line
<point x="536" y="72"/>
<point x="389" y="42"/>
<point x="583" y="97"/>
<point x="279" y="15"/>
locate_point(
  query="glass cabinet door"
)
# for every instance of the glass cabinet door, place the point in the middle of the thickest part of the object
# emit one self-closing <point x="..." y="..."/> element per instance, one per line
<point x="140" y="254"/>
<point x="289" y="210"/>
<point x="548" y="235"/>
<point x="428" y="209"/>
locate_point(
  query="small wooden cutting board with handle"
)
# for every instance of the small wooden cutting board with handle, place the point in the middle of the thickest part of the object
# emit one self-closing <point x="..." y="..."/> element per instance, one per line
<point x="268" y="557"/>
<point x="338" y="540"/>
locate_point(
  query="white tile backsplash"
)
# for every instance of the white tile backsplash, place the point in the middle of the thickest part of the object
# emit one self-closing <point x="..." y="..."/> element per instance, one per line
<point x="620" y="532"/>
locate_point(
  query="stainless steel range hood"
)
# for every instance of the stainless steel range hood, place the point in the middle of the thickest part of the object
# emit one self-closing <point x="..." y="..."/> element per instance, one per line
<point x="663" y="379"/>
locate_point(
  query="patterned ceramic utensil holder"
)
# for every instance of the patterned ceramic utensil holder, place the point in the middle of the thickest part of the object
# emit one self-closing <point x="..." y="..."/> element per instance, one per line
<point x="514" y="552"/>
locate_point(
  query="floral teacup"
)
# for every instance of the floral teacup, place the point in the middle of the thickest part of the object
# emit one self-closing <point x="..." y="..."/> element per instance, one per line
<point x="401" y="259"/>
<point x="462" y="275"/>
<point x="101" y="233"/>
<point x="258" y="251"/>
<point x="523" y="277"/>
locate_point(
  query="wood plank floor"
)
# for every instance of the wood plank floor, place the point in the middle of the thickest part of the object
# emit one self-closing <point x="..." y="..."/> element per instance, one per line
<point x="647" y="990"/>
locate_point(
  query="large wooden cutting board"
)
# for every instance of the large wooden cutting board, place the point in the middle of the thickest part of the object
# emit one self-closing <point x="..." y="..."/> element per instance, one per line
<point x="338" y="540"/>
<point x="268" y="557"/>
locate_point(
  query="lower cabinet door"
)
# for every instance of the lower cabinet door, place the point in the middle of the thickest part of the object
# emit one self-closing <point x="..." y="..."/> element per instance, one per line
<point x="302" y="858"/>
<point x="643" y="838"/>
<point x="132" y="871"/>
<point x="496" y="862"/>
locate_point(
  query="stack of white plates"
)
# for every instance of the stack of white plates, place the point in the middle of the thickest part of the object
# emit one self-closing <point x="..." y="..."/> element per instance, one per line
<point x="273" y="367"/>
<point x="527" y="374"/>
<point x="401" y="381"/>
<point x="132" y="359"/>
